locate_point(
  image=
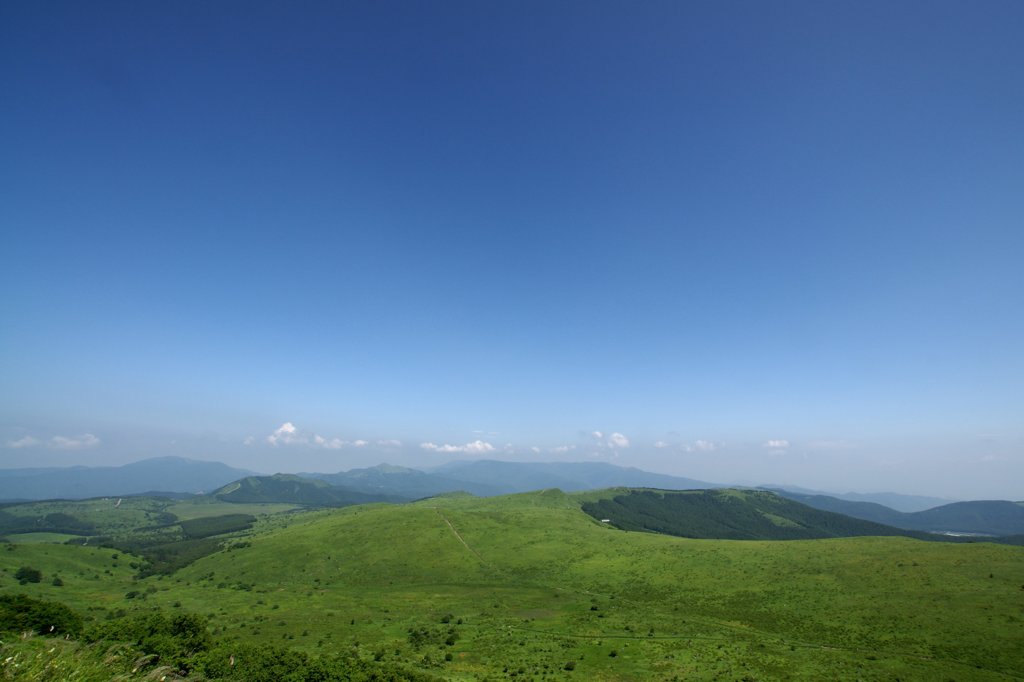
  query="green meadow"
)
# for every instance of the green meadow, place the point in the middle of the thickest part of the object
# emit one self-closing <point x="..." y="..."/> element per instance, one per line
<point x="530" y="587"/>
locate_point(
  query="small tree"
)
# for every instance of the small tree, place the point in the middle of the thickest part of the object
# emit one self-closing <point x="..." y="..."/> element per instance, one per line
<point x="27" y="574"/>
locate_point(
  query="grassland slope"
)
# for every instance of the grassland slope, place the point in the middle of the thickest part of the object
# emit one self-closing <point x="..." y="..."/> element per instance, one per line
<point x="536" y="580"/>
<point x="522" y="586"/>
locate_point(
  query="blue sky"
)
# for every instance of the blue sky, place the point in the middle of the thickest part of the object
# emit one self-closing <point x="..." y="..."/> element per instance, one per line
<point x="744" y="242"/>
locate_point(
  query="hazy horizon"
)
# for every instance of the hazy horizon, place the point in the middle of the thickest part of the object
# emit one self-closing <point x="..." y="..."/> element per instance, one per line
<point x="439" y="468"/>
<point x="739" y="243"/>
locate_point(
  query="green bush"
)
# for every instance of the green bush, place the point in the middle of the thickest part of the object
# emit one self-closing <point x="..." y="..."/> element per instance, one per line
<point x="20" y="613"/>
<point x="27" y="574"/>
<point x="173" y="640"/>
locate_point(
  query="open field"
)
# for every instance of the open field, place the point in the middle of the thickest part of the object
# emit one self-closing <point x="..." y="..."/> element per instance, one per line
<point x="529" y="587"/>
<point x="203" y="507"/>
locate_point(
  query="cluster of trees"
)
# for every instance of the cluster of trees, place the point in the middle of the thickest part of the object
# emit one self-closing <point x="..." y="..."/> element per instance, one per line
<point x="165" y="554"/>
<point x="730" y="515"/>
<point x="208" y="526"/>
<point x="57" y="522"/>
<point x="27" y="574"/>
<point x="163" y="557"/>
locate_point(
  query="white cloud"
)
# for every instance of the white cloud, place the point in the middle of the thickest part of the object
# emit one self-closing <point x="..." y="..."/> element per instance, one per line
<point x="286" y="434"/>
<point x="289" y="434"/>
<point x="777" y="444"/>
<point x="562" y="449"/>
<point x="329" y="444"/>
<point x="610" y="441"/>
<point x="249" y="441"/>
<point x="79" y="442"/>
<point x="475" y="448"/>
<point x="702" y="446"/>
<point x="85" y="440"/>
<point x="830" y="445"/>
<point x="535" y="448"/>
<point x="392" y="443"/>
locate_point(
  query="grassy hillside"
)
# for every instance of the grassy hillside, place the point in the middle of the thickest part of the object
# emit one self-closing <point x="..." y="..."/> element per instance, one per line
<point x="529" y="587"/>
<point x="100" y="516"/>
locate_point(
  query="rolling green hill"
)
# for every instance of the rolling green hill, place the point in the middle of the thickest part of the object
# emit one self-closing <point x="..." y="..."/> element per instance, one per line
<point x="529" y="586"/>
<point x="994" y="517"/>
<point x="286" y="488"/>
<point x="728" y="514"/>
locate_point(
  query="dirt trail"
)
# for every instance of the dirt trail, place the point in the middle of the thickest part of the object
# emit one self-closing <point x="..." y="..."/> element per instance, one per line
<point x="456" y="533"/>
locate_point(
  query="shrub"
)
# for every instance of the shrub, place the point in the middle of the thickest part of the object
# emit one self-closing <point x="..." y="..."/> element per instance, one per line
<point x="27" y="574"/>
<point x="175" y="640"/>
<point x="21" y="613"/>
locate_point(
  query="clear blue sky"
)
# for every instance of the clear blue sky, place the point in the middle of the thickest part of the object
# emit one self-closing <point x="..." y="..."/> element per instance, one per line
<point x="746" y="242"/>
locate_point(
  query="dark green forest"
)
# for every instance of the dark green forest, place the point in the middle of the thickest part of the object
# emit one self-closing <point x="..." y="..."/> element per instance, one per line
<point x="729" y="515"/>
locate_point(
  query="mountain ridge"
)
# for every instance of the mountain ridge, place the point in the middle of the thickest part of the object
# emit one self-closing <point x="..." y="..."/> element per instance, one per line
<point x="983" y="517"/>
<point x="295" y="489"/>
<point x="170" y="474"/>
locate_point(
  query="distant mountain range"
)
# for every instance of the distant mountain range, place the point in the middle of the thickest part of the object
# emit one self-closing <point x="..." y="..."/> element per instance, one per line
<point x="987" y="517"/>
<point x="296" y="490"/>
<point x="388" y="483"/>
<point x="897" y="501"/>
<point x="490" y="477"/>
<point x="520" y="477"/>
<point x="161" y="474"/>
<point x="411" y="484"/>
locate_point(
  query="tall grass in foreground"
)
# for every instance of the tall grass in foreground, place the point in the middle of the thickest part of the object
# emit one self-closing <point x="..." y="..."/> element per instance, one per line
<point x="44" y="659"/>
